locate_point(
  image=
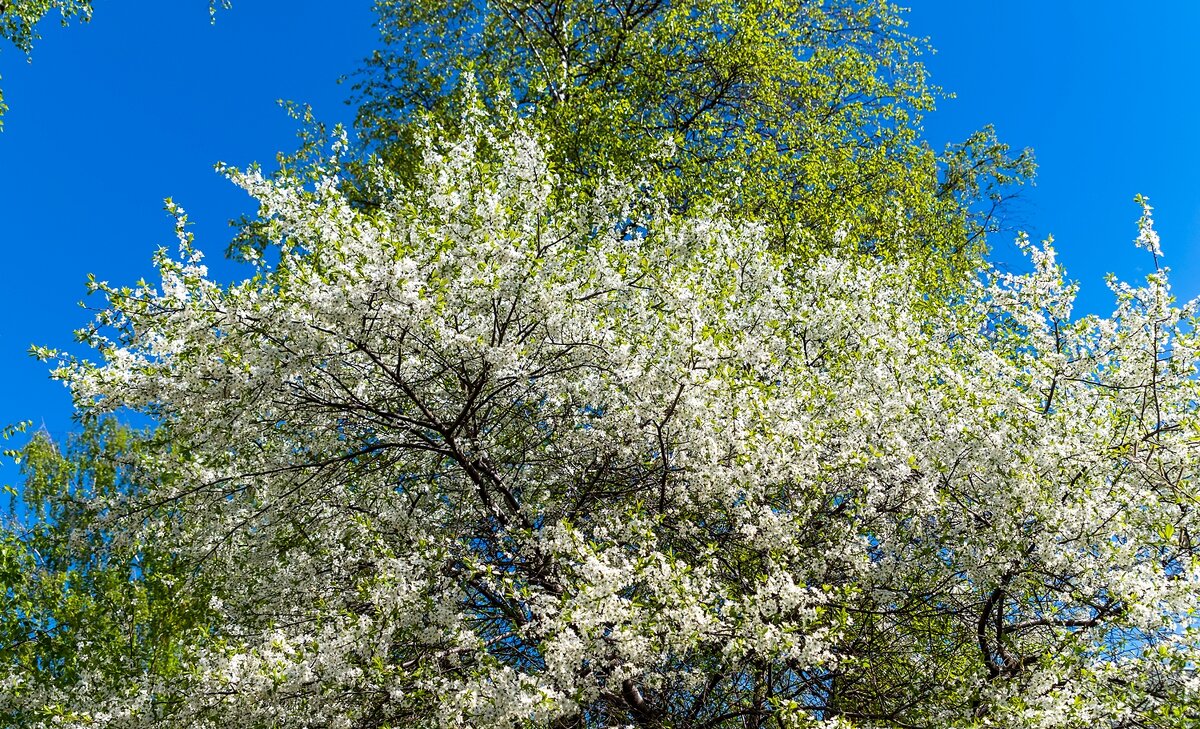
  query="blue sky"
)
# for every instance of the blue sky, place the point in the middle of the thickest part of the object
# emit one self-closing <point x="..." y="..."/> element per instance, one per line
<point x="1106" y="95"/>
<point x="113" y="116"/>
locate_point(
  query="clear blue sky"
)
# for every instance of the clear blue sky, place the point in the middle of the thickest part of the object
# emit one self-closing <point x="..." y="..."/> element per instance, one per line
<point x="1107" y="95"/>
<point x="113" y="116"/>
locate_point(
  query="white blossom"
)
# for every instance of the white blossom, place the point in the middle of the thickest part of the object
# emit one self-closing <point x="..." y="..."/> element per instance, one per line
<point x="482" y="456"/>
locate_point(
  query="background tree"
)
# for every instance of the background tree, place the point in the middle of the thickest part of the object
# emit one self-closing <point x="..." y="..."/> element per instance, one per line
<point x="802" y="115"/>
<point x="87" y="602"/>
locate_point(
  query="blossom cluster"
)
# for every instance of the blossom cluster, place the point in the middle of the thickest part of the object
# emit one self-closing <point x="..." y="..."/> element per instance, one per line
<point x="484" y="454"/>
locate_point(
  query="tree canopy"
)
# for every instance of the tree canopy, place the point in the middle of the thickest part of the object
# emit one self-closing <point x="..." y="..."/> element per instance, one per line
<point x="482" y="457"/>
<point x="803" y="116"/>
<point x="647" y="373"/>
<point x="83" y="602"/>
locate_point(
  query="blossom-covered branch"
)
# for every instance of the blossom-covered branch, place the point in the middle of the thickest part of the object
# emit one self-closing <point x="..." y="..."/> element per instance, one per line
<point x="486" y="455"/>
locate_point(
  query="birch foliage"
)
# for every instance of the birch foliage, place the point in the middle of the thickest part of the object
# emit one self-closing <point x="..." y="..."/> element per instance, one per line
<point x="481" y="456"/>
<point x="802" y="116"/>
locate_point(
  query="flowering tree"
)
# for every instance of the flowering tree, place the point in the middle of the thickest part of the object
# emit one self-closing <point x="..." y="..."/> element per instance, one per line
<point x="482" y="456"/>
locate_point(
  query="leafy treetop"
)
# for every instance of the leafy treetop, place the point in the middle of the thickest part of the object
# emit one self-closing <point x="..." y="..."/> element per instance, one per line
<point x="802" y="115"/>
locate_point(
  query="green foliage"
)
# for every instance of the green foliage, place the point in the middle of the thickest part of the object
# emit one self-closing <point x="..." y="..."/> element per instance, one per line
<point x="18" y="18"/>
<point x="67" y="580"/>
<point x="802" y="116"/>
